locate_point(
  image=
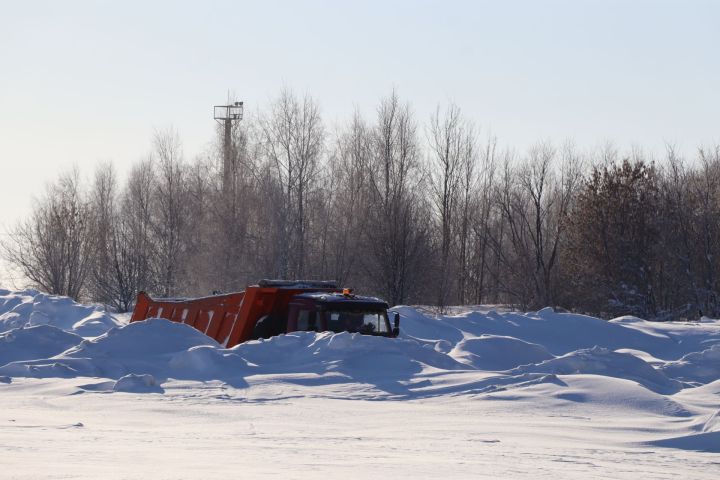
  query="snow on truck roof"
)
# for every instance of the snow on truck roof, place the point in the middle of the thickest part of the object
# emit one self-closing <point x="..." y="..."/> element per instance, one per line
<point x="298" y="283"/>
<point x="325" y="297"/>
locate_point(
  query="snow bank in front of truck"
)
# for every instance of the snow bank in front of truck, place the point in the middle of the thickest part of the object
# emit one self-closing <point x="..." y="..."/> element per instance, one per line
<point x="165" y="350"/>
<point x="470" y="352"/>
<point x="138" y="348"/>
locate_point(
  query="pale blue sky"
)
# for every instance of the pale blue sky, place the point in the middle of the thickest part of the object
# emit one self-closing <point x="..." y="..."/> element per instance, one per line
<point x="88" y="81"/>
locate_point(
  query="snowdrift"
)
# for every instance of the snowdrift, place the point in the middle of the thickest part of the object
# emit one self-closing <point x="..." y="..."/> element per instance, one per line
<point x="42" y="341"/>
<point x="700" y="367"/>
<point x="669" y="369"/>
<point x="601" y="361"/>
<point x="30" y="308"/>
<point x="492" y="352"/>
<point x="163" y="349"/>
<point x="47" y="336"/>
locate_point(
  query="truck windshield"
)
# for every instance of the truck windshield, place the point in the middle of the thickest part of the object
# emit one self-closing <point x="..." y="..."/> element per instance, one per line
<point x="363" y="322"/>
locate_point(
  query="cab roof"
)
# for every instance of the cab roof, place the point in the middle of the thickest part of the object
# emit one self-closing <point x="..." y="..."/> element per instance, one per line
<point x="337" y="299"/>
<point x="277" y="283"/>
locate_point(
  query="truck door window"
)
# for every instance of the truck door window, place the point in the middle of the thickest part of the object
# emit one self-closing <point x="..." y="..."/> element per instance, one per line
<point x="306" y="320"/>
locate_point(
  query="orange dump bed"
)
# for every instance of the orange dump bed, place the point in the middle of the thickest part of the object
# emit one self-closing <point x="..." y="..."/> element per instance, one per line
<point x="229" y="318"/>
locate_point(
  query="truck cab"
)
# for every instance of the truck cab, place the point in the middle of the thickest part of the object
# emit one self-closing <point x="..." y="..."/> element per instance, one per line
<point x="338" y="312"/>
<point x="331" y="310"/>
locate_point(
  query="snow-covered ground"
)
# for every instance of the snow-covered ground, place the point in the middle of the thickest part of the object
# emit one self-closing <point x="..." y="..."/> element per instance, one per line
<point x="475" y="394"/>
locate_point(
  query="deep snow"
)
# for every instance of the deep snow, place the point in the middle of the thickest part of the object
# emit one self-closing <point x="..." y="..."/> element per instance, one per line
<point x="477" y="393"/>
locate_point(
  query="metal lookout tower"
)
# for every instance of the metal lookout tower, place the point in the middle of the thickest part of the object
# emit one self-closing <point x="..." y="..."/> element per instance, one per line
<point x="226" y="115"/>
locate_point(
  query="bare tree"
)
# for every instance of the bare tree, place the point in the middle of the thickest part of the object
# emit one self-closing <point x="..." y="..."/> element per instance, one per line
<point x="169" y="211"/>
<point x="397" y="237"/>
<point x="293" y="137"/>
<point x="452" y="151"/>
<point x="53" y="247"/>
<point x="207" y="263"/>
<point x="534" y="199"/>
<point x="349" y="184"/>
<point x="477" y="207"/>
<point x="103" y="220"/>
<point x="694" y="209"/>
<point x="128" y="245"/>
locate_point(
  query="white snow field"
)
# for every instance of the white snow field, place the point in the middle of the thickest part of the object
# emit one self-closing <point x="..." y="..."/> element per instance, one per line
<point x="478" y="394"/>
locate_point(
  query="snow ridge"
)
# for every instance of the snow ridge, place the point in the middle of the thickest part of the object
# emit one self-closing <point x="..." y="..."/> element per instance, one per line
<point x="665" y="369"/>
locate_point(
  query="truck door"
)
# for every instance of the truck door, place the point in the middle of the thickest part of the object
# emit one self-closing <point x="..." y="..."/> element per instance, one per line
<point x="302" y="317"/>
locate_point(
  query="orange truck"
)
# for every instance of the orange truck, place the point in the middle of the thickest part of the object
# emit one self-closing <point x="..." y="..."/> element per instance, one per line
<point x="273" y="307"/>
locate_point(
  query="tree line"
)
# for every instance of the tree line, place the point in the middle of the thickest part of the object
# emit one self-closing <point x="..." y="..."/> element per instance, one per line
<point x="414" y="212"/>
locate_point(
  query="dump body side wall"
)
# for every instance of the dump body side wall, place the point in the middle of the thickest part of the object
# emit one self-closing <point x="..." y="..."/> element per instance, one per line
<point x="215" y="316"/>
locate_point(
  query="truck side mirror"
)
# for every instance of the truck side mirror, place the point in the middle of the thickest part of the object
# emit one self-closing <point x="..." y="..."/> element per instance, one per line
<point x="396" y="325"/>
